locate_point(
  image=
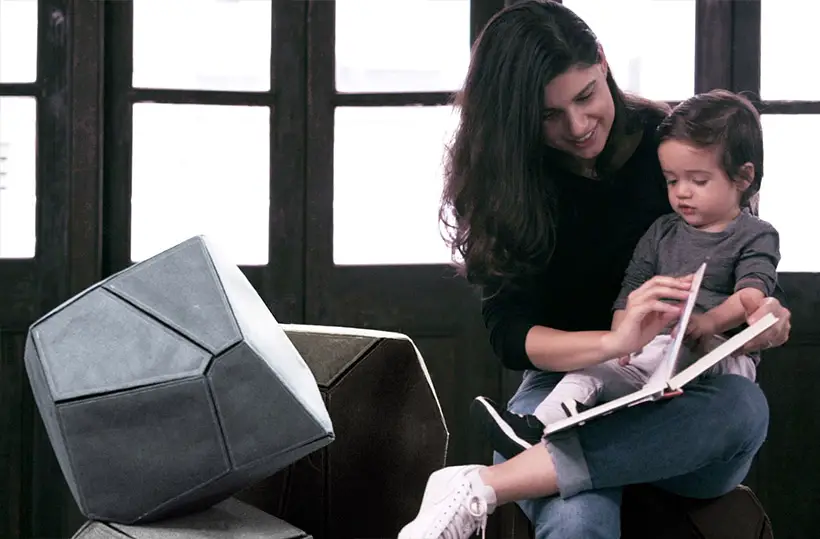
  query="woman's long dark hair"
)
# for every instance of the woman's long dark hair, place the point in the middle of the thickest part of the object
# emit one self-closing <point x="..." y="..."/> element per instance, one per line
<point x="499" y="195"/>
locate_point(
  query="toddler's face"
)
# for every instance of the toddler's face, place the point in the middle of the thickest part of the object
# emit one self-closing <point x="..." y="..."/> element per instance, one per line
<point x="699" y="189"/>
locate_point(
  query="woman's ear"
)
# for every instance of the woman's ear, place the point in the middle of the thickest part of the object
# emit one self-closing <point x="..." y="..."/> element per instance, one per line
<point x="745" y="176"/>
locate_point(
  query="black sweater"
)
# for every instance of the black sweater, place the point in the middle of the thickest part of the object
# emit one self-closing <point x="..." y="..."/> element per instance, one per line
<point x="599" y="222"/>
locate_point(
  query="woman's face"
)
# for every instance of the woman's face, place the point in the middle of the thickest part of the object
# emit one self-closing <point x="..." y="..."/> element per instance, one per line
<point x="578" y="111"/>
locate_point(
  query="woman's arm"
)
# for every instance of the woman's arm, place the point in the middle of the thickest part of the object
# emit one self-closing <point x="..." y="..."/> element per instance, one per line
<point x="519" y="338"/>
<point x="515" y="321"/>
<point x="555" y="350"/>
<point x="522" y="343"/>
<point x="509" y="316"/>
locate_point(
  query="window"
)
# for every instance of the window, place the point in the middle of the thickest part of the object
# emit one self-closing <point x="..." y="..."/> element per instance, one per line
<point x="388" y="159"/>
<point x="378" y="47"/>
<point x="387" y="184"/>
<point x="200" y="169"/>
<point x="18" y="128"/>
<point x="648" y="55"/>
<point x="787" y="30"/>
<point x="17" y="176"/>
<point x="201" y="123"/>
<point x="790" y="189"/>
<point x="227" y="46"/>
<point x="18" y="41"/>
<point x="791" y="118"/>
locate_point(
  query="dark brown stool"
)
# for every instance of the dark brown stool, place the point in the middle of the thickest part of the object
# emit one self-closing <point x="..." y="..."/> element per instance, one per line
<point x="390" y="436"/>
<point x="651" y="513"/>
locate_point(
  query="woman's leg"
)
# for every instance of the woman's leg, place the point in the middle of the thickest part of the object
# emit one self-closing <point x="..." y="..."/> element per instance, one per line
<point x="699" y="444"/>
<point x="595" y="514"/>
<point x="591" y="514"/>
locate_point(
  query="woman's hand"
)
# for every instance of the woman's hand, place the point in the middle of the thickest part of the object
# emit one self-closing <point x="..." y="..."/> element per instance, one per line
<point x="646" y="314"/>
<point x="776" y="335"/>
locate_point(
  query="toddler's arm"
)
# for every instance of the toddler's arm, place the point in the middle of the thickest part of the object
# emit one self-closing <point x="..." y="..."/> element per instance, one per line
<point x="730" y="314"/>
<point x="755" y="279"/>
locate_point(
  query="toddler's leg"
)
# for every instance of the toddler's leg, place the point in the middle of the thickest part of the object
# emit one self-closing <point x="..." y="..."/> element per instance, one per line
<point x="745" y="366"/>
<point x="603" y="382"/>
<point x="512" y="433"/>
<point x="583" y="386"/>
<point x="636" y="373"/>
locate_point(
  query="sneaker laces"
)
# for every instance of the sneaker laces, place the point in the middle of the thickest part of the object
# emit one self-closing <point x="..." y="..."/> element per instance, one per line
<point x="470" y="516"/>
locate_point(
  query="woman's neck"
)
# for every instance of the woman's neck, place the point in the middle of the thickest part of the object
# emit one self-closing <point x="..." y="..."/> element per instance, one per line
<point x="625" y="146"/>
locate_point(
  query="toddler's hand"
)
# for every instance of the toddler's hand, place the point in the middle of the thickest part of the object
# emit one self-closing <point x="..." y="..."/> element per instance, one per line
<point x="700" y="326"/>
<point x="699" y="332"/>
<point x="624" y="360"/>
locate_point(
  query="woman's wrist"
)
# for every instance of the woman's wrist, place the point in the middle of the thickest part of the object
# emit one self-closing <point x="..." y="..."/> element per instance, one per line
<point x="610" y="347"/>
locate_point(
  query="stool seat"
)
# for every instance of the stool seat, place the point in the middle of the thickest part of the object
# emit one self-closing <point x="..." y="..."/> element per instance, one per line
<point x="651" y="513"/>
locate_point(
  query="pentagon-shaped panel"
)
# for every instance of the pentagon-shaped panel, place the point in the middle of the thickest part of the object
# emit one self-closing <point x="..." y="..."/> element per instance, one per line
<point x="169" y="387"/>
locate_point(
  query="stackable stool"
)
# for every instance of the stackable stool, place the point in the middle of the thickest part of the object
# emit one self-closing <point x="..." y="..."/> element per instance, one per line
<point x="169" y="387"/>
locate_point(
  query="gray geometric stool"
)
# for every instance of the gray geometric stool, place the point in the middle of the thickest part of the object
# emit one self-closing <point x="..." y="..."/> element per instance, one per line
<point x="169" y="387"/>
<point x="390" y="436"/>
<point x="230" y="519"/>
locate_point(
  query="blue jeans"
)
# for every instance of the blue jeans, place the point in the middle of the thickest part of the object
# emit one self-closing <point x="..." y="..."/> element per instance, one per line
<point x="700" y="445"/>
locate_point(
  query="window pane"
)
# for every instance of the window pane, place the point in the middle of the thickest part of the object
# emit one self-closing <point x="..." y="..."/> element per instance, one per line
<point x="787" y="44"/>
<point x="379" y="47"/>
<point x="790" y="189"/>
<point x="387" y="184"/>
<point x="18" y="40"/>
<point x="18" y="188"/>
<point x="649" y="55"/>
<point x="202" y="44"/>
<point x="201" y="169"/>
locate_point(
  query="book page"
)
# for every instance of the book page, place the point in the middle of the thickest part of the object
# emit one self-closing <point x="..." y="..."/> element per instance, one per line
<point x="667" y="367"/>
<point x="721" y="352"/>
<point x="656" y="385"/>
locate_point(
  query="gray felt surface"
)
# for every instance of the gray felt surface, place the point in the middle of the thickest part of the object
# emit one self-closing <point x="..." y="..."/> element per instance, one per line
<point x="230" y="519"/>
<point x="169" y="387"/>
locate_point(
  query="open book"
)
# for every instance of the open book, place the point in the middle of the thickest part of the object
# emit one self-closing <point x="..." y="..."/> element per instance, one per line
<point x="666" y="382"/>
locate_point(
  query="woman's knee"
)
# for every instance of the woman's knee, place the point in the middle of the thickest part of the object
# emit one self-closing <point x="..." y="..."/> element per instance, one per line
<point x="746" y="410"/>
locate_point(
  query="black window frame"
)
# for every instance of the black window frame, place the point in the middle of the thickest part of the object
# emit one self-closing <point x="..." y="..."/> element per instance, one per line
<point x="279" y="284"/>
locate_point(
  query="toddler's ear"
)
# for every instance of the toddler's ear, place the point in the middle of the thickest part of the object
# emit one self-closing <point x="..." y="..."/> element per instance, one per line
<point x="745" y="176"/>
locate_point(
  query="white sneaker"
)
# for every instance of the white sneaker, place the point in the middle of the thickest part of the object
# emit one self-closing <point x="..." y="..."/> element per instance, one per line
<point x="455" y="505"/>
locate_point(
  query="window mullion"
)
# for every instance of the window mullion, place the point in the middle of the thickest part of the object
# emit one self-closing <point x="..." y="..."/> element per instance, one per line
<point x="746" y="47"/>
<point x="481" y="11"/>
<point x="713" y="45"/>
<point x="119" y="62"/>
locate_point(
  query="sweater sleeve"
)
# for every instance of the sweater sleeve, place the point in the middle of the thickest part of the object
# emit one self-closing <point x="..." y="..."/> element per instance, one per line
<point x="757" y="263"/>
<point x="509" y="315"/>
<point x="643" y="265"/>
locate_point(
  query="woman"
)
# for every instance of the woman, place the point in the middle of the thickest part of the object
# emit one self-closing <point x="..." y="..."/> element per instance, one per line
<point x="552" y="179"/>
